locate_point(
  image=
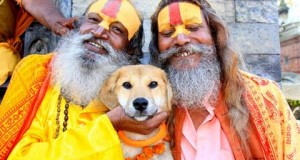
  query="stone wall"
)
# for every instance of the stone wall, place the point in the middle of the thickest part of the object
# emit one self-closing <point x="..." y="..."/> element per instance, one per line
<point x="255" y="31"/>
<point x="253" y="25"/>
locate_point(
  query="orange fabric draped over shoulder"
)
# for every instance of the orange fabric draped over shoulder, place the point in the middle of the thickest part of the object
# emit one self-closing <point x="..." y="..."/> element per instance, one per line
<point x="274" y="133"/>
<point x="24" y="19"/>
<point x="22" y="99"/>
<point x="11" y="49"/>
<point x="272" y="119"/>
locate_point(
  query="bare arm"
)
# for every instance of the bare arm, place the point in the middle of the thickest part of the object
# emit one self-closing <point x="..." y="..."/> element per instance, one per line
<point x="49" y="15"/>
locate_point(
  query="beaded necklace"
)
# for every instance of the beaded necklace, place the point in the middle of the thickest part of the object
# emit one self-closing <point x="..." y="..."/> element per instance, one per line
<point x="66" y="112"/>
<point x="66" y="118"/>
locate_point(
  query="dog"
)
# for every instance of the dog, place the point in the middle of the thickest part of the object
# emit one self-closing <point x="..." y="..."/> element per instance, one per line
<point x="142" y="91"/>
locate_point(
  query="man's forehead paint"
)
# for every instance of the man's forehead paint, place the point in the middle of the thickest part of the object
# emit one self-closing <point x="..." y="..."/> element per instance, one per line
<point x="174" y="14"/>
<point x="178" y="15"/>
<point x="117" y="11"/>
<point x="111" y="8"/>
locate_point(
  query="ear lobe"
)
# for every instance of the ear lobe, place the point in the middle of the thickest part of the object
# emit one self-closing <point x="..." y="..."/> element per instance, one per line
<point x="107" y="95"/>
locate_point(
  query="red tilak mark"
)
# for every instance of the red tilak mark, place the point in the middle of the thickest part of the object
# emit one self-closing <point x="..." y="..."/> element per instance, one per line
<point x="111" y="8"/>
<point x="174" y="14"/>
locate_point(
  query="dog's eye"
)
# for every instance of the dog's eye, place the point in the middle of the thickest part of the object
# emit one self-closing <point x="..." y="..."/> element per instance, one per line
<point x="127" y="85"/>
<point x="153" y="84"/>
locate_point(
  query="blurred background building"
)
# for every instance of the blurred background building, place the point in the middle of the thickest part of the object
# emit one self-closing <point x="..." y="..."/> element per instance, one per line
<point x="289" y="13"/>
<point x="289" y="21"/>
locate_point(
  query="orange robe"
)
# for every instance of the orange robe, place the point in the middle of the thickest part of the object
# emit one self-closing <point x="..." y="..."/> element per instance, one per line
<point x="89" y="134"/>
<point x="25" y="92"/>
<point x="274" y="133"/>
<point x="26" y="120"/>
<point x="14" y="20"/>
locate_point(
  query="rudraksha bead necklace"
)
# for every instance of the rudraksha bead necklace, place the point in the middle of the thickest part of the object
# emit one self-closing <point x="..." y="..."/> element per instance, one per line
<point x="66" y="118"/>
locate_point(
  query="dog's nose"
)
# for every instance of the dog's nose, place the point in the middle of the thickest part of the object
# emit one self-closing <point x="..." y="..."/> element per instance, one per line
<point x="140" y="104"/>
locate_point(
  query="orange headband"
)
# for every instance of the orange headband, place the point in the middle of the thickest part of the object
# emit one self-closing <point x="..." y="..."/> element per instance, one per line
<point x="117" y="11"/>
<point x="178" y="15"/>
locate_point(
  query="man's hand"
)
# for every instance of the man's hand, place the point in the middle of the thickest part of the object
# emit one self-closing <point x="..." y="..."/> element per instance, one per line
<point x="121" y="121"/>
<point x="62" y="27"/>
<point x="49" y="15"/>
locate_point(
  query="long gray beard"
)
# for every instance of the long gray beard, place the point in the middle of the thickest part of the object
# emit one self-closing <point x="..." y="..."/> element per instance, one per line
<point x="81" y="72"/>
<point x="194" y="87"/>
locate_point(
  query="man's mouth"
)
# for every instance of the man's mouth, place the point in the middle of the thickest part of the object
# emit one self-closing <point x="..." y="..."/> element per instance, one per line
<point x="183" y="54"/>
<point x="185" y="60"/>
<point x="95" y="47"/>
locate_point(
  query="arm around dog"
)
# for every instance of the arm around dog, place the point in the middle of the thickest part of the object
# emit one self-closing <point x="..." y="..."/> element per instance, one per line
<point x="121" y="121"/>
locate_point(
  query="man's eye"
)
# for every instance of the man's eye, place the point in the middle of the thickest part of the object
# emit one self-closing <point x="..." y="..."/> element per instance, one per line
<point x="193" y="28"/>
<point x="94" y="20"/>
<point x="117" y="29"/>
<point x="167" y="33"/>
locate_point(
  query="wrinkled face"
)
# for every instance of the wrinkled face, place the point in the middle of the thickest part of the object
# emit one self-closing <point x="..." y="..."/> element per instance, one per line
<point x="180" y="24"/>
<point x="81" y="72"/>
<point x="107" y="20"/>
<point x="142" y="90"/>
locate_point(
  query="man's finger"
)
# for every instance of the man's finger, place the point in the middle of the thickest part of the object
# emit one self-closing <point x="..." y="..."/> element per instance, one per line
<point x="160" y="116"/>
<point x="69" y="22"/>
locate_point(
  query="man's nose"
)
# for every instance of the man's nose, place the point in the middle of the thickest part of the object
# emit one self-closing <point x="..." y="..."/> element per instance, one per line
<point x="182" y="39"/>
<point x="100" y="32"/>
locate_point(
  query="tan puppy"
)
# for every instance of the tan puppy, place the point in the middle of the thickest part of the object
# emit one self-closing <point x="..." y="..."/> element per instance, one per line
<point x="142" y="90"/>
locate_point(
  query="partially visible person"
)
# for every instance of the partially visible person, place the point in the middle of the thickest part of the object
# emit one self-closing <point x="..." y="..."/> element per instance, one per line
<point x="221" y="112"/>
<point x="54" y="111"/>
<point x="15" y="19"/>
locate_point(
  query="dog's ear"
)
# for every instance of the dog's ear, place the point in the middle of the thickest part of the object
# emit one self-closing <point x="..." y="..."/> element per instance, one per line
<point x="107" y="94"/>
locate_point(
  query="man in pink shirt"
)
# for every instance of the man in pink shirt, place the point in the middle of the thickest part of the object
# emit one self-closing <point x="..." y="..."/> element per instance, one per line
<point x="220" y="112"/>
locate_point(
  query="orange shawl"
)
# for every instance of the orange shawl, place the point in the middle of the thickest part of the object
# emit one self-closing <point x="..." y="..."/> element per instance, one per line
<point x="24" y="19"/>
<point x="275" y="133"/>
<point x="24" y="94"/>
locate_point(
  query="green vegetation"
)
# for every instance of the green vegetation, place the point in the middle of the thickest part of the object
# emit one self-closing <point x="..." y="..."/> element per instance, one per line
<point x="293" y="103"/>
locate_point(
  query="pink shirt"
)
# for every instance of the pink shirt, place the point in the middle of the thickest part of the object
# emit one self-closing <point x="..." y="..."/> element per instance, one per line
<point x="208" y="142"/>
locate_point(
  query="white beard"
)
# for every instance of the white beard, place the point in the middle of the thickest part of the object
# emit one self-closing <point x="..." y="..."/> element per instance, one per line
<point x="193" y="86"/>
<point x="81" y="72"/>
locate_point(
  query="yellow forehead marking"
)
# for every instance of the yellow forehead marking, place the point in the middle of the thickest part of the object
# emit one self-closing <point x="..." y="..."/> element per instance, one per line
<point x="180" y="29"/>
<point x="178" y="15"/>
<point x="125" y="14"/>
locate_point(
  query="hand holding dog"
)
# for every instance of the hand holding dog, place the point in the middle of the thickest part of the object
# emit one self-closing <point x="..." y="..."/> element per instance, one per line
<point x="121" y="121"/>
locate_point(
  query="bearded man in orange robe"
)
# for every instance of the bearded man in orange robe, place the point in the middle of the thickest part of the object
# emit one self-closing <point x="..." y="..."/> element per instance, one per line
<point x="220" y="112"/>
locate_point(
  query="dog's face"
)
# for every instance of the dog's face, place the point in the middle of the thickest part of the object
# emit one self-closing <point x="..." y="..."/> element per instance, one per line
<point x="142" y="90"/>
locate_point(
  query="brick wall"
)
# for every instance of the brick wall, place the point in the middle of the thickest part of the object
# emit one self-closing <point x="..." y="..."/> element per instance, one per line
<point x="290" y="55"/>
